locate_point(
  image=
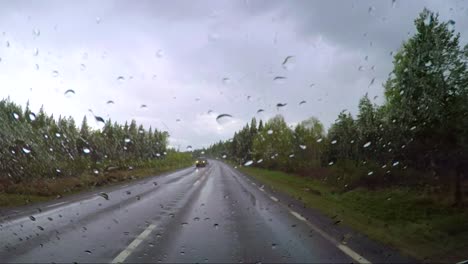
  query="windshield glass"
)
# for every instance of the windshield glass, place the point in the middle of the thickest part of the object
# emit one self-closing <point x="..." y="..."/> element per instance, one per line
<point x="234" y="131"/>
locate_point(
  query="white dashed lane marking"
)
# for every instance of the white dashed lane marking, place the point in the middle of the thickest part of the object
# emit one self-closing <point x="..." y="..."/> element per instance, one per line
<point x="135" y="243"/>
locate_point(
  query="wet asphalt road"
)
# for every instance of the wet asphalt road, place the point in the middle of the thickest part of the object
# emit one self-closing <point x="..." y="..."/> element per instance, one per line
<point x="213" y="214"/>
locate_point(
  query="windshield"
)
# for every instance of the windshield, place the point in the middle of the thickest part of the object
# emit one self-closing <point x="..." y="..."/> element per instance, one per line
<point x="234" y="131"/>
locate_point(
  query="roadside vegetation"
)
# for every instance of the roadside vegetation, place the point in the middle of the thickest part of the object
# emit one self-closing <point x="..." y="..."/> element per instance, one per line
<point x="42" y="158"/>
<point x="396" y="171"/>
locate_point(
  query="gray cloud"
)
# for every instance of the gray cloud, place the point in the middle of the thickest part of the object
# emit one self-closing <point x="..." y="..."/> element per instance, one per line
<point x="175" y="55"/>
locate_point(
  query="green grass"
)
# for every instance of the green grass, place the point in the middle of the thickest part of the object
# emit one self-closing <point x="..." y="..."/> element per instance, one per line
<point x="413" y="222"/>
<point x="44" y="189"/>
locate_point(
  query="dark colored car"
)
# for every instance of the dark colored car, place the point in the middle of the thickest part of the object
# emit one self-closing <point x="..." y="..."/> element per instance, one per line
<point x="201" y="162"/>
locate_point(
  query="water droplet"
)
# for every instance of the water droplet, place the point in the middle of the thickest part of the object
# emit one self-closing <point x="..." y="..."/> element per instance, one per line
<point x="86" y="150"/>
<point x="303" y="146"/>
<point x="7" y="44"/>
<point x="82" y="66"/>
<point x="226" y="80"/>
<point x="279" y="79"/>
<point x="413" y="128"/>
<point x="302" y="102"/>
<point x="36" y="32"/>
<point x="55" y="74"/>
<point x="248" y="163"/>
<point x="95" y="171"/>
<point x="189" y="148"/>
<point x="451" y="25"/>
<point x="216" y="226"/>
<point x="260" y="161"/>
<point x="273" y="246"/>
<point x="127" y="140"/>
<point x="69" y="92"/>
<point x="16" y="116"/>
<point x="32" y="116"/>
<point x="26" y="150"/>
<point x="291" y="155"/>
<point x="88" y="251"/>
<point x="37" y="67"/>
<point x="319" y="140"/>
<point x="104" y="195"/>
<point x="120" y="78"/>
<point x="395" y="163"/>
<point x="98" y="20"/>
<point x="159" y="53"/>
<point x="372" y="82"/>
<point x="259" y="111"/>
<point x="99" y="119"/>
<point x="289" y="63"/>
<point x="393" y="3"/>
<point x="40" y="228"/>
<point x="110" y="102"/>
<point x="36" y="52"/>
<point x="371" y="10"/>
<point x="367" y="144"/>
<point x="270" y="131"/>
<point x="278" y="105"/>
<point x="370" y="173"/>
<point x="50" y="219"/>
<point x="334" y="141"/>
<point x="224" y="156"/>
<point x="223" y="119"/>
<point x="331" y="163"/>
<point x="32" y="218"/>
<point x="143" y="106"/>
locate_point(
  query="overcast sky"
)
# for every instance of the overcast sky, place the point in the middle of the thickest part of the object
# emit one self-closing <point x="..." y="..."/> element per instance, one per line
<point x="184" y="58"/>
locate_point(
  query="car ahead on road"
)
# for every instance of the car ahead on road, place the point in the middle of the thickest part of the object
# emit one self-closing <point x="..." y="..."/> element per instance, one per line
<point x="201" y="162"/>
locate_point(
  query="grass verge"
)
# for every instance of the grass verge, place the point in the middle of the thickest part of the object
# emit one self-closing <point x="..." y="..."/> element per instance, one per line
<point x="412" y="222"/>
<point x="44" y="189"/>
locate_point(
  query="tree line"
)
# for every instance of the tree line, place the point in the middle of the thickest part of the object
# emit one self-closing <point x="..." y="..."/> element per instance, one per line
<point x="418" y="136"/>
<point x="36" y="145"/>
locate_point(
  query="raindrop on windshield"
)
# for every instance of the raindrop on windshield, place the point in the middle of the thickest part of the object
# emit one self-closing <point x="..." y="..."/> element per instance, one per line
<point x="120" y="78"/>
<point x="98" y="20"/>
<point x="259" y="111"/>
<point x="370" y="173"/>
<point x="143" y="106"/>
<point x="26" y="150"/>
<point x="260" y="161"/>
<point x="451" y="25"/>
<point x="331" y="163"/>
<point x="226" y="80"/>
<point x="32" y="218"/>
<point x="86" y="150"/>
<point x="302" y="102"/>
<point x="69" y="92"/>
<point x="319" y="140"/>
<point x="110" y="102"/>
<point x="88" y="251"/>
<point x="413" y="128"/>
<point x="224" y="156"/>
<point x="248" y="163"/>
<point x="291" y="155"/>
<point x="279" y="79"/>
<point x="367" y="144"/>
<point x="270" y="131"/>
<point x="278" y="105"/>
<point x="223" y="118"/>
<point x="127" y="140"/>
<point x="36" y="32"/>
<point x="36" y="51"/>
<point x="40" y="228"/>
<point x="395" y="163"/>
<point x="32" y="116"/>
<point x="99" y="119"/>
<point x="334" y="141"/>
<point x="82" y="66"/>
<point x="289" y="63"/>
<point x="95" y="171"/>
<point x="189" y="148"/>
<point x="16" y="116"/>
<point x="372" y="82"/>
<point x="303" y="146"/>
<point x="104" y="195"/>
<point x="55" y="74"/>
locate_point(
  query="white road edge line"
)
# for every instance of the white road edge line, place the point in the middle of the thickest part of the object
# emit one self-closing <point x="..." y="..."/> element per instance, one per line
<point x="274" y="198"/>
<point x="124" y="254"/>
<point x="348" y="251"/>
